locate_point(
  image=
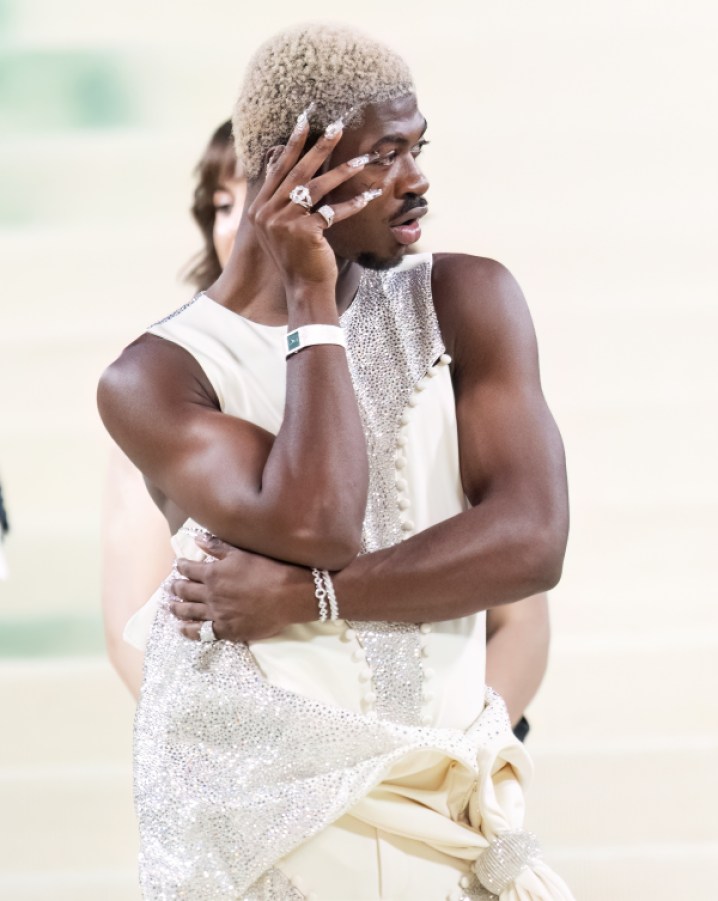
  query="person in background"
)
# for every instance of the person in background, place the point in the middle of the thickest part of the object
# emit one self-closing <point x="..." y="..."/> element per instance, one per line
<point x="136" y="553"/>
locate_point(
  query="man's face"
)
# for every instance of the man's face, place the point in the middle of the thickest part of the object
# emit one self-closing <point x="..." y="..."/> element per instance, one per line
<point x="379" y="235"/>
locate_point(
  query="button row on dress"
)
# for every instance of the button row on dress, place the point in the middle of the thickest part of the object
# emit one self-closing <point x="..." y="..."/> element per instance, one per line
<point x="358" y="655"/>
<point x="400" y="460"/>
<point x="427" y="694"/>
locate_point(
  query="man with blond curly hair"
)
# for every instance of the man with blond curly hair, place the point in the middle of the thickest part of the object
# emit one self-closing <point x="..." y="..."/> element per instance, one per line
<point x="352" y="448"/>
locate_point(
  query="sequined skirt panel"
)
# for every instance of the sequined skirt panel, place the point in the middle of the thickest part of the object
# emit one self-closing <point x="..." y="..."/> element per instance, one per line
<point x="232" y="772"/>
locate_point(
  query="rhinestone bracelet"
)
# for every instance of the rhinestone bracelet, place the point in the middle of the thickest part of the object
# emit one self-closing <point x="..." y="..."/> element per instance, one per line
<point x="323" y="592"/>
<point x="331" y="595"/>
<point x="320" y="593"/>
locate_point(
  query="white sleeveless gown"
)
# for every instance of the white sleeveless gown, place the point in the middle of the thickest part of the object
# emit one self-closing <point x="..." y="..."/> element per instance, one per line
<point x="347" y="761"/>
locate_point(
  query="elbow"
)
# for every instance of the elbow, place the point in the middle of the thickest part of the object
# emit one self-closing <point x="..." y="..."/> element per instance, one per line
<point x="328" y="536"/>
<point x="545" y="549"/>
<point x="323" y="549"/>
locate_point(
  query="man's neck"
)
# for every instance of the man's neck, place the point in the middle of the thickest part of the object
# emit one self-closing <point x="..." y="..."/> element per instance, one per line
<point x="251" y="285"/>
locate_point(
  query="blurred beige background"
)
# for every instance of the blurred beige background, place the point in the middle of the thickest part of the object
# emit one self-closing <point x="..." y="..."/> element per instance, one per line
<point x="575" y="142"/>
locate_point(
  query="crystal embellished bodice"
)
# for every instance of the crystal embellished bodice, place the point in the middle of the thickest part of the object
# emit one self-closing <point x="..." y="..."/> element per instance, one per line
<point x="394" y="340"/>
<point x="264" y="745"/>
<point x="397" y="365"/>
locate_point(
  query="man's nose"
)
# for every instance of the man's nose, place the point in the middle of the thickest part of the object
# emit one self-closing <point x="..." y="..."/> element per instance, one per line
<point x="415" y="182"/>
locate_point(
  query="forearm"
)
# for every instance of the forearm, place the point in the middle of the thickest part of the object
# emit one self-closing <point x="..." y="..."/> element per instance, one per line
<point x="479" y="559"/>
<point x="517" y="652"/>
<point x="315" y="477"/>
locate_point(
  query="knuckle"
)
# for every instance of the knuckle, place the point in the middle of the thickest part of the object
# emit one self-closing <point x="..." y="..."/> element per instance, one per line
<point x="211" y="576"/>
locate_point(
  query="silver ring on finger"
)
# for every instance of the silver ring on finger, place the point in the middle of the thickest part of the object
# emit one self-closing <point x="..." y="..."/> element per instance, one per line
<point x="327" y="214"/>
<point x="301" y="196"/>
<point x="206" y="631"/>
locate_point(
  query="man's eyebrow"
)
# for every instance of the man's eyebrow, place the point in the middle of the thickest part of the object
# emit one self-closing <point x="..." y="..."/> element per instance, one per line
<point x="397" y="139"/>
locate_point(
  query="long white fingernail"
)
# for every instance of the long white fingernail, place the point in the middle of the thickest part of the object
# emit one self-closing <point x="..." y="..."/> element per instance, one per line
<point x="372" y="194"/>
<point x="303" y="117"/>
<point x="360" y="161"/>
<point x="333" y="129"/>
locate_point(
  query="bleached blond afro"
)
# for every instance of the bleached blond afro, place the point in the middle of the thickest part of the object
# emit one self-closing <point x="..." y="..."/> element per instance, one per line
<point x="335" y="67"/>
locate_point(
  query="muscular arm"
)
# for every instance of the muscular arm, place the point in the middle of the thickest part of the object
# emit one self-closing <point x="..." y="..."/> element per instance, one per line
<point x="301" y="496"/>
<point x="511" y="543"/>
<point x="508" y="546"/>
<point x="517" y="642"/>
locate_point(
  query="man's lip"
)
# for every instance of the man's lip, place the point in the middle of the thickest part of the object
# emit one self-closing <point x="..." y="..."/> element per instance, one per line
<point x="408" y="233"/>
<point x="416" y="213"/>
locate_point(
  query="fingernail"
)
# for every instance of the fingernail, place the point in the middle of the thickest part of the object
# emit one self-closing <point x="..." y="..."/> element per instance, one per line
<point x="360" y="161"/>
<point x="303" y="117"/>
<point x="372" y="194"/>
<point x="333" y="129"/>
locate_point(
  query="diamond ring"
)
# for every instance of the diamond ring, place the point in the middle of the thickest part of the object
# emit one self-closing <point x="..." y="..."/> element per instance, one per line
<point x="206" y="631"/>
<point x="301" y="196"/>
<point x="327" y="214"/>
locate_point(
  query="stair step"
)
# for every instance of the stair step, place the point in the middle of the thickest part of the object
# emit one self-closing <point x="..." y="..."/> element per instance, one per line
<point x="659" y="871"/>
<point x="84" y="884"/>
<point x="75" y="816"/>
<point x="73" y="712"/>
<point x="623" y="795"/>
<point x="598" y="696"/>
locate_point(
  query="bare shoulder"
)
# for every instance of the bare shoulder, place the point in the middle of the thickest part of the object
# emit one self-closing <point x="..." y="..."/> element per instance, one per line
<point x="150" y="378"/>
<point x="480" y="308"/>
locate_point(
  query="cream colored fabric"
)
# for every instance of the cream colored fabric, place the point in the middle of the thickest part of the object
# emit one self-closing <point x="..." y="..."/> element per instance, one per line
<point x="416" y="833"/>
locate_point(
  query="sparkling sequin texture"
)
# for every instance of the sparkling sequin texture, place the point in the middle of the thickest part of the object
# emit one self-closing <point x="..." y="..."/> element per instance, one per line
<point x="393" y="339"/>
<point x="470" y="889"/>
<point x="273" y="886"/>
<point x="179" y="310"/>
<point x="232" y="772"/>
<point x="507" y="855"/>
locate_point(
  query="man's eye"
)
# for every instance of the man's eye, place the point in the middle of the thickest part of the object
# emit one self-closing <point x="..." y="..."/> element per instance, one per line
<point x="386" y="160"/>
<point x="389" y="158"/>
<point x="223" y="208"/>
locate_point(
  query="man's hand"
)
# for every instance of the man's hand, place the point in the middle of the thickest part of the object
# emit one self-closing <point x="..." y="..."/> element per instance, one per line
<point x="246" y="596"/>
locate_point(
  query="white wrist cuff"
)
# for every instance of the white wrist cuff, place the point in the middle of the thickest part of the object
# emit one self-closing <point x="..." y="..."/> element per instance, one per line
<point x="307" y="335"/>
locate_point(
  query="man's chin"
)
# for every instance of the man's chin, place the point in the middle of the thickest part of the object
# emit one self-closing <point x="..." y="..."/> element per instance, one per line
<point x="377" y="263"/>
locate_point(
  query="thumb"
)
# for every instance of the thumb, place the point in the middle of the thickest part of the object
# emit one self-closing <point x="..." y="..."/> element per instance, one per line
<point x="213" y="546"/>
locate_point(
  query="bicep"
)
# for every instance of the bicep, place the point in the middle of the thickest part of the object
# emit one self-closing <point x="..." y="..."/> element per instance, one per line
<point x="508" y="440"/>
<point x="508" y="437"/>
<point x="209" y="464"/>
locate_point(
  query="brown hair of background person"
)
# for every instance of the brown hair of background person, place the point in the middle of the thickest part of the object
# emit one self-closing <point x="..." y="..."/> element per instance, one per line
<point x="218" y="163"/>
